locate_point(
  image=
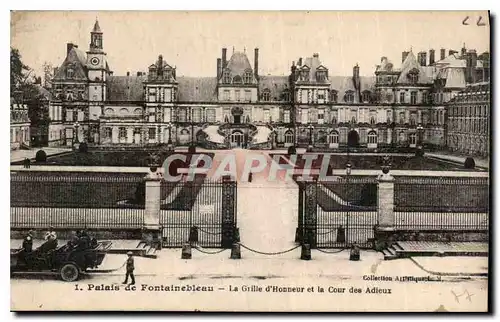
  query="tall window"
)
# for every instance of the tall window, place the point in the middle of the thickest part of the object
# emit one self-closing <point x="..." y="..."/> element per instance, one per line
<point x="226" y="78"/>
<point x="333" y="96"/>
<point x="152" y="133"/>
<point x="304" y="96"/>
<point x="70" y="72"/>
<point x="389" y="117"/>
<point x="402" y="97"/>
<point x="313" y="116"/>
<point x="248" y="95"/>
<point x="181" y="115"/>
<point x="413" y="139"/>
<point x="286" y="95"/>
<point x="413" y="76"/>
<point x="266" y="95"/>
<point x="122" y="133"/>
<point x="289" y="137"/>
<point x="108" y="133"/>
<point x="425" y="98"/>
<point x="402" y="118"/>
<point x="196" y="115"/>
<point x="333" y="137"/>
<point x="226" y="95"/>
<point x="286" y="116"/>
<point x="413" y="119"/>
<point x="210" y="113"/>
<point x="413" y="97"/>
<point x="237" y="96"/>
<point x="321" y="96"/>
<point x="247" y="78"/>
<point x="349" y="97"/>
<point x="372" y="120"/>
<point x="152" y="94"/>
<point x="372" y="137"/>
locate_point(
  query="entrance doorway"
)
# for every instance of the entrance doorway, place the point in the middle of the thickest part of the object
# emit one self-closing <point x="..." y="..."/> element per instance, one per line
<point x="353" y="138"/>
<point x="237" y="139"/>
<point x="237" y="119"/>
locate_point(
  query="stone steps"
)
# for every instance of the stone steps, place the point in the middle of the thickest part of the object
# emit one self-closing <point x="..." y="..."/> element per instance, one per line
<point x="404" y="249"/>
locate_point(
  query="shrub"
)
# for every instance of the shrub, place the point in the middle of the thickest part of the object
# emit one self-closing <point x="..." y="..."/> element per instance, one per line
<point x="41" y="156"/>
<point x="469" y="163"/>
<point x="292" y="150"/>
<point x="419" y="152"/>
<point x="140" y="193"/>
<point x="368" y="195"/>
<point x="84" y="148"/>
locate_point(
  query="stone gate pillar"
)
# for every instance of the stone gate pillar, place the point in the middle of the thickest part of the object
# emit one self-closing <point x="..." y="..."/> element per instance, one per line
<point x="310" y="213"/>
<point x="385" y="229"/>
<point x="299" y="233"/>
<point x="151" y="223"/>
<point x="228" y="212"/>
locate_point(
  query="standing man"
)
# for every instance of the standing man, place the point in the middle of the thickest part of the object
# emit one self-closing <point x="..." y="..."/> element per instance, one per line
<point x="28" y="242"/>
<point x="130" y="269"/>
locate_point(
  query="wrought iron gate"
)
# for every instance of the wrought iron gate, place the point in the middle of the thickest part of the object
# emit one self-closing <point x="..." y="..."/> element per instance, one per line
<point x="208" y="207"/>
<point x="336" y="214"/>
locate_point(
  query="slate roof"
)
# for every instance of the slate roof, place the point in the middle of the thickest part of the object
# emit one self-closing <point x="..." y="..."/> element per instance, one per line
<point x="425" y="75"/>
<point x="238" y="64"/>
<point x="275" y="84"/>
<point x="197" y="89"/>
<point x="96" y="27"/>
<point x="78" y="60"/>
<point x="343" y="84"/>
<point x="125" y="88"/>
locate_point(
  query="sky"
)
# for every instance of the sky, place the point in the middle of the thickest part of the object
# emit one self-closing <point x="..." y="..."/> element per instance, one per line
<point x="192" y="41"/>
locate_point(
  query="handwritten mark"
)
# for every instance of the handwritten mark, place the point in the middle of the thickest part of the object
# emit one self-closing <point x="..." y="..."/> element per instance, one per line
<point x="479" y="21"/>
<point x="464" y="22"/>
<point x="466" y="292"/>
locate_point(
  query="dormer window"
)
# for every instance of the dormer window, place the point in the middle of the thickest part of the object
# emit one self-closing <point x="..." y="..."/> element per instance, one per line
<point x="70" y="72"/>
<point x="286" y="95"/>
<point x="226" y="78"/>
<point x="247" y="78"/>
<point x="349" y="97"/>
<point x="333" y="96"/>
<point x="321" y="76"/>
<point x="366" y="96"/>
<point x="237" y="80"/>
<point x="304" y="74"/>
<point x="266" y="95"/>
<point x="413" y="76"/>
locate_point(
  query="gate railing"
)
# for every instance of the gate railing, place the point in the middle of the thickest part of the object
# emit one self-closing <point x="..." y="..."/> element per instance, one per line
<point x="337" y="214"/>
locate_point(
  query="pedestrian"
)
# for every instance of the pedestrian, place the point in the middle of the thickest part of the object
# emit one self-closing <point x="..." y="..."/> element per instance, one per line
<point x="130" y="269"/>
<point x="28" y="242"/>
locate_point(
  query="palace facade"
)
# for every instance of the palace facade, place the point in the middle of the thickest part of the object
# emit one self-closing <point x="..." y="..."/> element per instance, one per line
<point x="401" y="105"/>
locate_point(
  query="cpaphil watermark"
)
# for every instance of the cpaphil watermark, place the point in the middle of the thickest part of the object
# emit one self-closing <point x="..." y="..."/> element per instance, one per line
<point x="311" y="166"/>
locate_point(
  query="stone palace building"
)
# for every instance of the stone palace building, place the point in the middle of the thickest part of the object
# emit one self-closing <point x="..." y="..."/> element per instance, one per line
<point x="402" y="105"/>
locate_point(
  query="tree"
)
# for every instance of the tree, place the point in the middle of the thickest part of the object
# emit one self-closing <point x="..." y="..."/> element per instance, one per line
<point x="19" y="74"/>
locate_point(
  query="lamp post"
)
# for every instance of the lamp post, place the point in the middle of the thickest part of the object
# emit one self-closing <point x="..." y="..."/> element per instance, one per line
<point x="311" y="128"/>
<point x="420" y="129"/>
<point x="348" y="167"/>
<point x="76" y="126"/>
<point x="169" y="127"/>
<point x="192" y="127"/>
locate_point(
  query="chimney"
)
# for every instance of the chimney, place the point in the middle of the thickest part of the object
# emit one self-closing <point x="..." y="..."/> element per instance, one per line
<point x="432" y="53"/>
<point x="256" y="63"/>
<point x="470" y="69"/>
<point x="452" y="52"/>
<point x="443" y="53"/>
<point x="300" y="62"/>
<point x="316" y="55"/>
<point x="355" y="72"/>
<point x="139" y="74"/>
<point x="463" y="51"/>
<point x="404" y="55"/>
<point x="128" y="73"/>
<point x="70" y="46"/>
<point x="219" y="71"/>
<point x="160" y="61"/>
<point x="422" y="58"/>
<point x="224" y="58"/>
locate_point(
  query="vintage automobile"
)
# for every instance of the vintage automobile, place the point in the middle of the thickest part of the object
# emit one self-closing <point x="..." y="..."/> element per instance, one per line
<point x="67" y="261"/>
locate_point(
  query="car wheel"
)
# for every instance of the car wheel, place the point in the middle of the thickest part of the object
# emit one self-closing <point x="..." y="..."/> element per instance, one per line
<point x="69" y="272"/>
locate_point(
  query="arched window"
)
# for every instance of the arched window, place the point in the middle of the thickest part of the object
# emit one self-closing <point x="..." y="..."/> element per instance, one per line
<point x="372" y="120"/>
<point x="333" y="137"/>
<point x="237" y="80"/>
<point x="70" y="72"/>
<point x="247" y="78"/>
<point x="349" y="97"/>
<point x="226" y="78"/>
<point x="138" y="111"/>
<point x="108" y="111"/>
<point x="289" y="137"/>
<point x="372" y="137"/>
<point x="184" y="132"/>
<point x="334" y="120"/>
<point x="333" y="96"/>
<point x="107" y="132"/>
<point x="266" y="95"/>
<point x="123" y="111"/>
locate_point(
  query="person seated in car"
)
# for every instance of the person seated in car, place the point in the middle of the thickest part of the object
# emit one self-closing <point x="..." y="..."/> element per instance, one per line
<point x="50" y="241"/>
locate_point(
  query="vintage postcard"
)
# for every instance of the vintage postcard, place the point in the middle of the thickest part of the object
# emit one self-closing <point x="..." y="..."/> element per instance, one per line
<point x="246" y="161"/>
